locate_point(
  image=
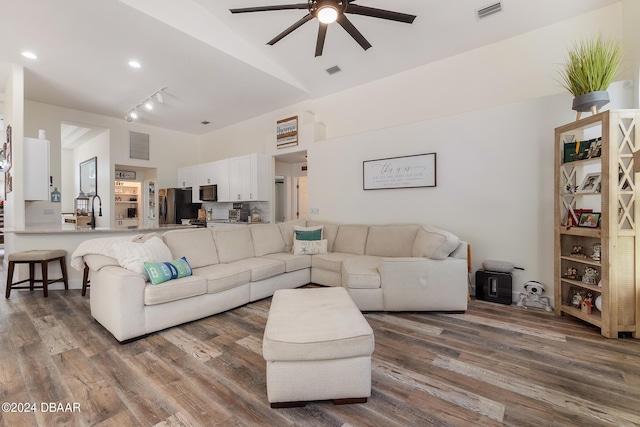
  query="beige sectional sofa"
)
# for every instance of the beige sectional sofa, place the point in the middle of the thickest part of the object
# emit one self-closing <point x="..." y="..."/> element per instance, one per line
<point x="395" y="267"/>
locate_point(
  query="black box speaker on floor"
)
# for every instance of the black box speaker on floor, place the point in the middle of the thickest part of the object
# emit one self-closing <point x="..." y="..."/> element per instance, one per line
<point x="493" y="286"/>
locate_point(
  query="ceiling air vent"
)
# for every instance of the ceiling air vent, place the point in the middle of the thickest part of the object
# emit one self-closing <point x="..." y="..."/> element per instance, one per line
<point x="489" y="10"/>
<point x="333" y="70"/>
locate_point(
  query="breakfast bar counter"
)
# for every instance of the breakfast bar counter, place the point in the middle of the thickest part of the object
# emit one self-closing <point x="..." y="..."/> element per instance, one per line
<point x="66" y="237"/>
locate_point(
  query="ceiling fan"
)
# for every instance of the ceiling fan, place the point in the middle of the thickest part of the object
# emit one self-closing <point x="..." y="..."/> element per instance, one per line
<point x="327" y="12"/>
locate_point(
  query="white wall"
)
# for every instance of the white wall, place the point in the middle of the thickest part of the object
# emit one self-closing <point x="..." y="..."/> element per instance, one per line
<point x="98" y="147"/>
<point x="168" y="150"/>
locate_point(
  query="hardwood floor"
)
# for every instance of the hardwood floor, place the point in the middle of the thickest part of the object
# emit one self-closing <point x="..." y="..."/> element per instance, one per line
<point x="494" y="365"/>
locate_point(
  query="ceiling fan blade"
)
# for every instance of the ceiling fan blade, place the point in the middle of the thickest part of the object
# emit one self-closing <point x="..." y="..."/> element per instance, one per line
<point x="322" y="33"/>
<point x="380" y="13"/>
<point x="353" y="31"/>
<point x="289" y="30"/>
<point x="268" y="8"/>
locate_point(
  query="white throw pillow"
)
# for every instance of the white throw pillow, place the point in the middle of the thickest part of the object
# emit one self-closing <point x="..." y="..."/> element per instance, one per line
<point x="309" y="247"/>
<point x="132" y="255"/>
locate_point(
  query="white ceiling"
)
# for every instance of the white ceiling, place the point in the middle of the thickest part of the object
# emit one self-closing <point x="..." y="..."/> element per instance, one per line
<point x="217" y="67"/>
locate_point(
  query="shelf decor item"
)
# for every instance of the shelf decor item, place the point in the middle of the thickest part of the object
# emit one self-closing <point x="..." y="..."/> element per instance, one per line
<point x="590" y="183"/>
<point x="589" y="220"/>
<point x="590" y="67"/>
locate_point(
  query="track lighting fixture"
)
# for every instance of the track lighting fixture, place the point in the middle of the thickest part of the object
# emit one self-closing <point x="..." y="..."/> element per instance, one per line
<point x="147" y="103"/>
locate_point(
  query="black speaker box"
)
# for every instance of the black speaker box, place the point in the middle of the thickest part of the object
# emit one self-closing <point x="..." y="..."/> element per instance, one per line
<point x="493" y="286"/>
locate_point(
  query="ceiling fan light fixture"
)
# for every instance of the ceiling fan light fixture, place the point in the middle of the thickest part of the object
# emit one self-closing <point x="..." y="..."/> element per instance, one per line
<point x="327" y="13"/>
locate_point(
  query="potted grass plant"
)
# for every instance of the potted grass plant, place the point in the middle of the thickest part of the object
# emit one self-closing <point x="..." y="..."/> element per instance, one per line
<point x="591" y="66"/>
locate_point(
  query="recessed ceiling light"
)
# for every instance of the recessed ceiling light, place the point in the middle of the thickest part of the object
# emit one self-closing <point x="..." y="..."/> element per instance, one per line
<point x="29" y="55"/>
<point x="205" y="122"/>
<point x="134" y="64"/>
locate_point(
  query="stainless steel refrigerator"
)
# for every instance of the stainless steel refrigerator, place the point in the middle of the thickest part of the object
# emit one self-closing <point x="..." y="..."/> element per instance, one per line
<point x="175" y="204"/>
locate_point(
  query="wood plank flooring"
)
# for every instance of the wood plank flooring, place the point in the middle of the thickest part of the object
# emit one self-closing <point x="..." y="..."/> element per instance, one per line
<point x="494" y="365"/>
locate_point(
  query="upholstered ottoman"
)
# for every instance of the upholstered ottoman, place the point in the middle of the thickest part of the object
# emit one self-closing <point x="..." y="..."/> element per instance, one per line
<point x="317" y="346"/>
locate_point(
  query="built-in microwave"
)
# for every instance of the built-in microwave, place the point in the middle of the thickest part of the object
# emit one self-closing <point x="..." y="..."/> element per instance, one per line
<point x="209" y="193"/>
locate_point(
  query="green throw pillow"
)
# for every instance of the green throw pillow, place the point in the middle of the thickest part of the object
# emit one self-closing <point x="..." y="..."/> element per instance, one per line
<point x="309" y="235"/>
<point x="160" y="272"/>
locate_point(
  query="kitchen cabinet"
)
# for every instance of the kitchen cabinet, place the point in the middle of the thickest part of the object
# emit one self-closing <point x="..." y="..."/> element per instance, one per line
<point x="248" y="178"/>
<point x="126" y="223"/>
<point x="220" y="177"/>
<point x="244" y="178"/>
<point x="36" y="169"/>
<point x="188" y="177"/>
<point x="185" y="177"/>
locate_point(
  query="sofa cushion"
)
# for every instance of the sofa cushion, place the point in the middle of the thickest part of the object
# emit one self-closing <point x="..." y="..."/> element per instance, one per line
<point x="132" y="256"/>
<point x="331" y="261"/>
<point x="361" y="272"/>
<point x="434" y="243"/>
<point x="351" y="239"/>
<point x="196" y="244"/>
<point x="262" y="268"/>
<point x="391" y="240"/>
<point x="286" y="229"/>
<point x="221" y="277"/>
<point x="173" y="290"/>
<point x="309" y="247"/>
<point x="234" y="243"/>
<point x="291" y="262"/>
<point x="267" y="239"/>
<point x="329" y="232"/>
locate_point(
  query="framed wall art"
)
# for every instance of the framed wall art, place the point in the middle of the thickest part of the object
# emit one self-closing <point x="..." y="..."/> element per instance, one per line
<point x="399" y="172"/>
<point x="7" y="150"/>
<point x="287" y="132"/>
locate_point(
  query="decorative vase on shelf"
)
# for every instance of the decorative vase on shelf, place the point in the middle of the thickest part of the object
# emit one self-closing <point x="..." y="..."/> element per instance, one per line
<point x="591" y="66"/>
<point x="591" y="101"/>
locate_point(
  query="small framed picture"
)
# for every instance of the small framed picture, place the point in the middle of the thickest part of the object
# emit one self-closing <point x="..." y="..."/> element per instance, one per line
<point x="590" y="183"/>
<point x="589" y="219"/>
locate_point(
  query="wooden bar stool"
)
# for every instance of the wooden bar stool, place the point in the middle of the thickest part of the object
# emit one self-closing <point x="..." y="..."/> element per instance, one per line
<point x="86" y="283"/>
<point x="33" y="257"/>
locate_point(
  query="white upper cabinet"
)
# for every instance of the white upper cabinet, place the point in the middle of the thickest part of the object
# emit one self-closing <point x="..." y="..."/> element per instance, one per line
<point x="239" y="179"/>
<point x="36" y="169"/>
<point x="248" y="178"/>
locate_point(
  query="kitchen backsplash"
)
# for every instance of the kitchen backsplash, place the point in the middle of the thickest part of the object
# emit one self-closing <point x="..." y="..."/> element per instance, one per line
<point x="220" y="211"/>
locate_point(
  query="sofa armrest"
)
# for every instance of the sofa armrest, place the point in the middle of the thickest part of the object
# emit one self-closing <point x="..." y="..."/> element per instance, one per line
<point x="117" y="301"/>
<point x="422" y="284"/>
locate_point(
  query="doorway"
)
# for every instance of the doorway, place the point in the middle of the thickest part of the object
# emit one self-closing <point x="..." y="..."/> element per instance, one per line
<point x="290" y="201"/>
<point x="280" y="202"/>
<point x="302" y="193"/>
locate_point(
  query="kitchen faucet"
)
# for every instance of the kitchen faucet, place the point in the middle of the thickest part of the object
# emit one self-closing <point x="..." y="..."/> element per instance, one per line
<point x="93" y="212"/>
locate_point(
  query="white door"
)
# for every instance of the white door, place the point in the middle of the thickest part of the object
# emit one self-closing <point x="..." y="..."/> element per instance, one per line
<point x="303" y="197"/>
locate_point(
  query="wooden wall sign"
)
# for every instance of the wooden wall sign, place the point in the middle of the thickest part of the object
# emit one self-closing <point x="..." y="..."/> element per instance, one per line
<point x="400" y="172"/>
<point x="287" y="132"/>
